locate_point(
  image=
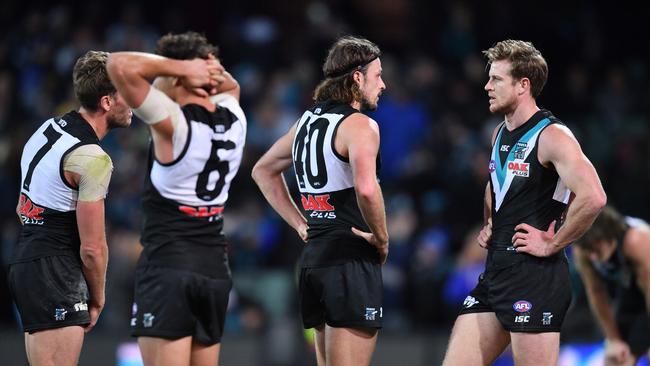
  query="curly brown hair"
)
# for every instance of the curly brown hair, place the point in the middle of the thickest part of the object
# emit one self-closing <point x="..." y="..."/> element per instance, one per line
<point x="90" y="79"/>
<point x="526" y="60"/>
<point x="186" y="46"/>
<point x="347" y="54"/>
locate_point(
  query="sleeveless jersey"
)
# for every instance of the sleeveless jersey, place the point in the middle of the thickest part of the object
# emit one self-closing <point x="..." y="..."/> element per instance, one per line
<point x="47" y="201"/>
<point x="326" y="186"/>
<point x="523" y="190"/>
<point x="184" y="200"/>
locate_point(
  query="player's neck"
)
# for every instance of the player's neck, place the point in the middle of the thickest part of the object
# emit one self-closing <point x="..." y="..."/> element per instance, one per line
<point x="521" y="114"/>
<point x="195" y="99"/>
<point x="356" y="105"/>
<point x="96" y="120"/>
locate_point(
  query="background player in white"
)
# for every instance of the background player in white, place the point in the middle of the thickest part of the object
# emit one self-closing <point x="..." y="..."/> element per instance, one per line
<point x="58" y="271"/>
<point x="183" y="279"/>
<point x="334" y="150"/>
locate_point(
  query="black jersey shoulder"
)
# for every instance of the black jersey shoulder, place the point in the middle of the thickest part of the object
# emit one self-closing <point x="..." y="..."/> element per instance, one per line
<point x="74" y="124"/>
<point x="221" y="120"/>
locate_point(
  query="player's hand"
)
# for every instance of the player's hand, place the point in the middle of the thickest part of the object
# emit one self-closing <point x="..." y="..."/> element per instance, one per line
<point x="382" y="248"/>
<point x="94" y="308"/>
<point x="302" y="232"/>
<point x="617" y="352"/>
<point x="202" y="73"/>
<point x="485" y="235"/>
<point x="528" y="239"/>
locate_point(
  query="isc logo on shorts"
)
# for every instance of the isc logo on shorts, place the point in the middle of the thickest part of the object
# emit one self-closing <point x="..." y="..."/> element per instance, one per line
<point x="80" y="306"/>
<point x="522" y="318"/>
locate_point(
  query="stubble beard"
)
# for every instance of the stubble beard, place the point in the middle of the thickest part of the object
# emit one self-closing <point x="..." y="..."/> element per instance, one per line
<point x="367" y="105"/>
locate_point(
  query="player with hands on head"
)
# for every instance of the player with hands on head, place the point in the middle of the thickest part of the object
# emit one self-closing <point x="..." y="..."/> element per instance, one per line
<point x="198" y="130"/>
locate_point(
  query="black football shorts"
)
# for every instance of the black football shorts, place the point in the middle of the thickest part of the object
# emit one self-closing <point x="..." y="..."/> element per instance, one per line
<point x="175" y="303"/>
<point x="49" y="292"/>
<point x="346" y="295"/>
<point x="527" y="293"/>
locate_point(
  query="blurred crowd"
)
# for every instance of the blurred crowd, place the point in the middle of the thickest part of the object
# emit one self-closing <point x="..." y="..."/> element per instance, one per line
<point x="434" y="121"/>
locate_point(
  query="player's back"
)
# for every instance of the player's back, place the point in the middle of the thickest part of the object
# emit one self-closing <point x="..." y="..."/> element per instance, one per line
<point x="47" y="200"/>
<point x="326" y="184"/>
<point x="184" y="200"/>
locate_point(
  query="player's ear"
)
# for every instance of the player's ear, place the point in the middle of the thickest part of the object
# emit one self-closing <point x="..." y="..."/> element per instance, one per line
<point x="523" y="85"/>
<point x="356" y="76"/>
<point x="105" y="103"/>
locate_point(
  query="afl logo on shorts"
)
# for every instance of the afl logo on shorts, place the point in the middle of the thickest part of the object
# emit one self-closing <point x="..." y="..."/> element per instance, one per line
<point x="522" y="306"/>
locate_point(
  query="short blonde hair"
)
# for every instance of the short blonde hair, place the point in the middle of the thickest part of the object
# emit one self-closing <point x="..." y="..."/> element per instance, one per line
<point x="526" y="61"/>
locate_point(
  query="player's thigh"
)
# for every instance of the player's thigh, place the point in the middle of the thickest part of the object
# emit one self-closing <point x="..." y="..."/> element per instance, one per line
<point x="319" y="338"/>
<point x="349" y="346"/>
<point x="535" y="349"/>
<point x="165" y="352"/>
<point x="204" y="355"/>
<point x="60" y="346"/>
<point x="476" y="339"/>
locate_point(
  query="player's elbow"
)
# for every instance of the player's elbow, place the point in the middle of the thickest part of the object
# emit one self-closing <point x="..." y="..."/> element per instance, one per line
<point x="118" y="67"/>
<point x="598" y="200"/>
<point x="259" y="172"/>
<point x="366" y="190"/>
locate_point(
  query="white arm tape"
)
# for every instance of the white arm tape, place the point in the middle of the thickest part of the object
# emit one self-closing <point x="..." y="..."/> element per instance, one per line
<point x="156" y="107"/>
<point x="94" y="167"/>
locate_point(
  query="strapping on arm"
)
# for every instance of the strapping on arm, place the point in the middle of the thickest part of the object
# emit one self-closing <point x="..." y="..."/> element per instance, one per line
<point x="94" y="167"/>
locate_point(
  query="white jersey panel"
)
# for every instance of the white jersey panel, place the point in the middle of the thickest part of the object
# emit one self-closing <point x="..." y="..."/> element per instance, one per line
<point x="41" y="160"/>
<point x="202" y="175"/>
<point x="335" y="174"/>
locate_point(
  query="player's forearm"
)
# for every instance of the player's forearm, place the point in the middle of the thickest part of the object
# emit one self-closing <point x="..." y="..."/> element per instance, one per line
<point x="371" y="204"/>
<point x="603" y="312"/>
<point x="275" y="190"/>
<point x="581" y="214"/>
<point x="94" y="258"/>
<point x="138" y="65"/>
<point x="229" y="85"/>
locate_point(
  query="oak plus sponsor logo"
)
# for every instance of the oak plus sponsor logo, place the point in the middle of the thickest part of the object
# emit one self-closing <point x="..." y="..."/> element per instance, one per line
<point x="519" y="169"/>
<point x="29" y="212"/>
<point x="319" y="206"/>
<point x="211" y="213"/>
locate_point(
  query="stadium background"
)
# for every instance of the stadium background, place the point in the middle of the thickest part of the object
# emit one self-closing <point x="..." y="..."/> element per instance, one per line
<point x="434" y="123"/>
